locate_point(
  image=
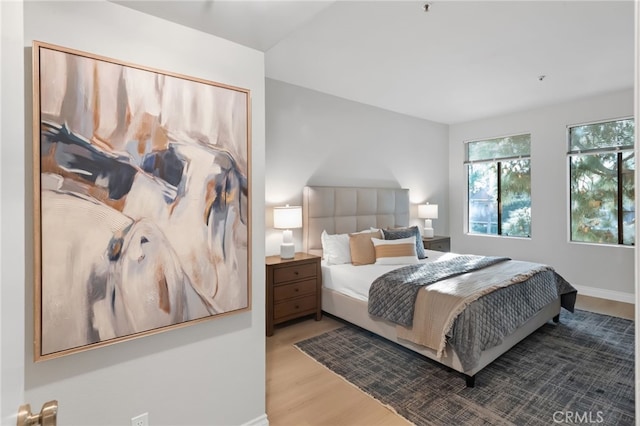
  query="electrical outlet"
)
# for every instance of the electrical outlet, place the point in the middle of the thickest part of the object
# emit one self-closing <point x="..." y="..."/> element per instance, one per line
<point x="140" y="420"/>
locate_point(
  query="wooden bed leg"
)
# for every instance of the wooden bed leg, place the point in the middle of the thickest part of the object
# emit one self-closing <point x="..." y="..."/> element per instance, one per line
<point x="556" y="319"/>
<point x="471" y="381"/>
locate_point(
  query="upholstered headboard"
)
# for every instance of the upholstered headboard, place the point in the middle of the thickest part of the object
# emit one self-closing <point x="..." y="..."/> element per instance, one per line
<point x="340" y="210"/>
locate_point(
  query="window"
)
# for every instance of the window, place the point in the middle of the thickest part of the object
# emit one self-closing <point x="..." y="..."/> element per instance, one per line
<point x="499" y="186"/>
<point x="602" y="168"/>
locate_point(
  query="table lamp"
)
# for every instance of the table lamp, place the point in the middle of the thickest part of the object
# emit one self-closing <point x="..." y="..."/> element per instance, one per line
<point x="427" y="212"/>
<point x="287" y="218"/>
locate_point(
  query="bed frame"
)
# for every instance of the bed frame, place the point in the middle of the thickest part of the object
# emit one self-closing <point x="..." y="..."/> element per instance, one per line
<point x="350" y="209"/>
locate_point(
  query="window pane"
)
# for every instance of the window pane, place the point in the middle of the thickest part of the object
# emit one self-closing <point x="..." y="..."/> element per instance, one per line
<point x="628" y="197"/>
<point x="511" y="146"/>
<point x="602" y="135"/>
<point x="515" y="196"/>
<point x="594" y="191"/>
<point x="483" y="193"/>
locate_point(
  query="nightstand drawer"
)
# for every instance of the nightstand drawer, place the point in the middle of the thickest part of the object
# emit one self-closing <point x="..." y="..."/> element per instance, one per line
<point x="294" y="272"/>
<point x="285" y="291"/>
<point x="294" y="306"/>
<point x="440" y="246"/>
<point x="437" y="243"/>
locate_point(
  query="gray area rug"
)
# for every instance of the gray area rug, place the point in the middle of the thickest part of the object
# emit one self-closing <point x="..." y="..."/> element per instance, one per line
<point x="580" y="371"/>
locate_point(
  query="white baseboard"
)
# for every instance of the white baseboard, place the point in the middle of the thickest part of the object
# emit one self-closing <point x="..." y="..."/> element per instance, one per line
<point x="618" y="296"/>
<point x="258" y="421"/>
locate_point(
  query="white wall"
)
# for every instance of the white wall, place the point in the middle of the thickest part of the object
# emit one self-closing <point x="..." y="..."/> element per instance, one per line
<point x="319" y="139"/>
<point x="597" y="270"/>
<point x="12" y="199"/>
<point x="209" y="373"/>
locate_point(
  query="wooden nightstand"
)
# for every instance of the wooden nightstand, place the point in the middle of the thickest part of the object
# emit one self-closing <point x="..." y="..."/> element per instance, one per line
<point x="293" y="288"/>
<point x="437" y="243"/>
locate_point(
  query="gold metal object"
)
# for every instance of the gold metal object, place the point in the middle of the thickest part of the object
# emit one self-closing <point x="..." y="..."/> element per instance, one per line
<point x="46" y="417"/>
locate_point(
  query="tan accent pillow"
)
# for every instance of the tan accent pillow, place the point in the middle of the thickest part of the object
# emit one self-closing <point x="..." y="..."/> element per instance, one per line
<point x="362" y="251"/>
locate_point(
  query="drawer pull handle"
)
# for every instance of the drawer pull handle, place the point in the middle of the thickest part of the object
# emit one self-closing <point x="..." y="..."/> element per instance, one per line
<point x="295" y="272"/>
<point x="297" y="289"/>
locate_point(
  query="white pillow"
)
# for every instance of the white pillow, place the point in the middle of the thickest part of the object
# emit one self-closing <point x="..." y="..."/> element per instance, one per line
<point x="335" y="248"/>
<point x="395" y="252"/>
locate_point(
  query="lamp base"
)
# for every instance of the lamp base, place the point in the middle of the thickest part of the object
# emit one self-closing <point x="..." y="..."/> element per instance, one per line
<point x="287" y="251"/>
<point x="427" y="232"/>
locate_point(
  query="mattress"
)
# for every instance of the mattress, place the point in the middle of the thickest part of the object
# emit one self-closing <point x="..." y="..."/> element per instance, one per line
<point x="354" y="281"/>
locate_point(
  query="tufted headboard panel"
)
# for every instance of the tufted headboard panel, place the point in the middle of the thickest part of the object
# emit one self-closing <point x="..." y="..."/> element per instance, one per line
<point x="340" y="210"/>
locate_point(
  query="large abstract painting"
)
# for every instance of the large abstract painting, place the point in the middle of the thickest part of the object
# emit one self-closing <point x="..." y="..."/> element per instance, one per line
<point x="141" y="183"/>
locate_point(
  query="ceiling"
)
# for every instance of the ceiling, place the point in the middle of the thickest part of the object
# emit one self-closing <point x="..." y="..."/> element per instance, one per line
<point x="460" y="61"/>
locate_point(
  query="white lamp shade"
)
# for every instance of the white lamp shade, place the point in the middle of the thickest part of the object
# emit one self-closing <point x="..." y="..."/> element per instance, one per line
<point x="428" y="211"/>
<point x="288" y="217"/>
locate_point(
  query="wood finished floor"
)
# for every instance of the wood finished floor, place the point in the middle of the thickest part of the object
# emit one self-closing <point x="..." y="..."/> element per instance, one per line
<point x="301" y="392"/>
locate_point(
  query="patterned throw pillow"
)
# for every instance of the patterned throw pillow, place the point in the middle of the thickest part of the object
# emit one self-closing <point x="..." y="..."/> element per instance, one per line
<point x="411" y="231"/>
<point x="395" y="252"/>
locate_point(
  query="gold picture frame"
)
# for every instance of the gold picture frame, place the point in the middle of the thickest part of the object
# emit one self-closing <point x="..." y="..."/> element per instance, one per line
<point x="141" y="200"/>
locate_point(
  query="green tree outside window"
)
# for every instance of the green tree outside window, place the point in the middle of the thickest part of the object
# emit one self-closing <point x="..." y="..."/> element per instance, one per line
<point x="602" y="189"/>
<point x="499" y="186"/>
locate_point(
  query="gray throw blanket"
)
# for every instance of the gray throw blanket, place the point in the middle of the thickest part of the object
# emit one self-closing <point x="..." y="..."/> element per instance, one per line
<point x="490" y="319"/>
<point x="392" y="296"/>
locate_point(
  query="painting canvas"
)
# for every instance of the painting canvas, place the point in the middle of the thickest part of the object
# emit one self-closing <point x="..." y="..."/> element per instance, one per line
<point x="141" y="199"/>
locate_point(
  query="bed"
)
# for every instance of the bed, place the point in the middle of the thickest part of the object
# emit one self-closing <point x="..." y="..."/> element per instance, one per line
<point x="338" y="211"/>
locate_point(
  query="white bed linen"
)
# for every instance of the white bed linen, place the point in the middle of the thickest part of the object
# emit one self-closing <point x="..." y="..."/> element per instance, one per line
<point x="354" y="281"/>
